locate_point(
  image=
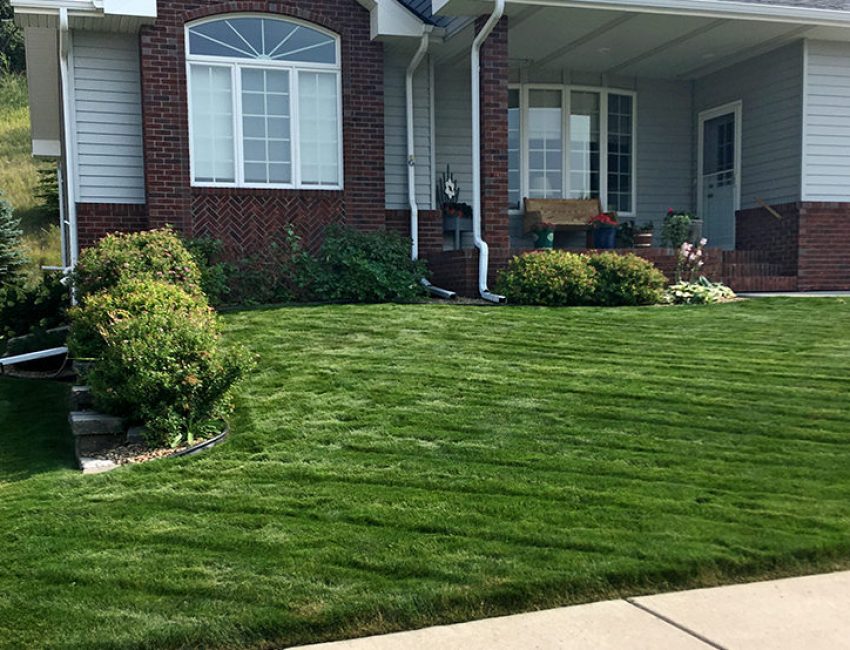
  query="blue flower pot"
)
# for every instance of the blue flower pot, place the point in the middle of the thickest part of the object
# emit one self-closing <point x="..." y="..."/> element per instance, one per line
<point x="604" y="237"/>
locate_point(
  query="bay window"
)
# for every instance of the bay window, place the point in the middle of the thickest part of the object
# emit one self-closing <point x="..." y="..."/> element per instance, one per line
<point x="568" y="142"/>
<point x="264" y="104"/>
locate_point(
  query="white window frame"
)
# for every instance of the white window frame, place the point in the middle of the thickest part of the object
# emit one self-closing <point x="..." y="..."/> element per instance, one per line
<point x="294" y="69"/>
<point x="566" y="107"/>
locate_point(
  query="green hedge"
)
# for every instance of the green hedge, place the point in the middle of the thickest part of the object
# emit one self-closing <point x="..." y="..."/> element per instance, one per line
<point x="556" y="278"/>
<point x="159" y="358"/>
<point x="559" y="279"/>
<point x="155" y="254"/>
<point x="626" y="280"/>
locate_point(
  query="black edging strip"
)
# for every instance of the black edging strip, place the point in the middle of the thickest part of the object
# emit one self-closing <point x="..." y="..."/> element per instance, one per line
<point x="679" y="626"/>
<point x="202" y="446"/>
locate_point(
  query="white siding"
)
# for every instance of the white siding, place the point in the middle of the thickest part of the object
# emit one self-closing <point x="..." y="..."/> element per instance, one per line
<point x="770" y="88"/>
<point x="664" y="149"/>
<point x="107" y="101"/>
<point x="826" y="153"/>
<point x="395" y="131"/>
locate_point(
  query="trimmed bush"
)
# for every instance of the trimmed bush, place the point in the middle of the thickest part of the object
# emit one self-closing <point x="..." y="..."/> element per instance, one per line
<point x="626" y="280"/>
<point x="155" y="254"/>
<point x="131" y="298"/>
<point x="215" y="274"/>
<point x="160" y="361"/>
<point x="554" y="278"/>
<point x="356" y="266"/>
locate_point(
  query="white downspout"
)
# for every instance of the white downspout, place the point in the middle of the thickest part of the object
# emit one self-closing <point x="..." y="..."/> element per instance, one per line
<point x="65" y="81"/>
<point x="480" y="244"/>
<point x="411" y="159"/>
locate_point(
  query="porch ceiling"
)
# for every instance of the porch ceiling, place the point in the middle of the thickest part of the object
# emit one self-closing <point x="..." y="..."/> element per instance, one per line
<point x="656" y="45"/>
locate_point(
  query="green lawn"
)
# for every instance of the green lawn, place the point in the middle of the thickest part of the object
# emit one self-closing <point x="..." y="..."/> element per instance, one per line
<point x="396" y="466"/>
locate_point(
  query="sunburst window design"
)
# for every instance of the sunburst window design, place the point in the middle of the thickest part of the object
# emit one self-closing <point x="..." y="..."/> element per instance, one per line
<point x="264" y="103"/>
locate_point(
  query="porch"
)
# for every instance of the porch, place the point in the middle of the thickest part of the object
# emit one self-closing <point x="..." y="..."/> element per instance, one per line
<point x="646" y="111"/>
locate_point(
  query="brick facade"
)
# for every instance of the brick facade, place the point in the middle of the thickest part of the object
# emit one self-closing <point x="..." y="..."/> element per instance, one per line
<point x="757" y="229"/>
<point x="247" y="219"/>
<point x="94" y="220"/>
<point x="430" y="228"/>
<point x="824" y="250"/>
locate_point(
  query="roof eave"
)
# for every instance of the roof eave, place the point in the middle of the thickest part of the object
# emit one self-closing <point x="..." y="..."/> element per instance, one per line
<point x="707" y="8"/>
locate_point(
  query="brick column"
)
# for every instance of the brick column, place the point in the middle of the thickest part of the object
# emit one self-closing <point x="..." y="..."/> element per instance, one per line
<point x="824" y="258"/>
<point x="494" y="138"/>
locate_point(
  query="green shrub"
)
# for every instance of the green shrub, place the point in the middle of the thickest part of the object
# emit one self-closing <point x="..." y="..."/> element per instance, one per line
<point x="676" y="229"/>
<point x="215" y="273"/>
<point x="163" y="365"/>
<point x="154" y="254"/>
<point x="626" y="280"/>
<point x="701" y="292"/>
<point x="367" y="267"/>
<point x="283" y="272"/>
<point x="554" y="278"/>
<point x="130" y="298"/>
<point x="28" y="306"/>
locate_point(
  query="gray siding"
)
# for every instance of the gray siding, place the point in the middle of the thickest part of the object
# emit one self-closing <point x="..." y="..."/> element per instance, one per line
<point x="770" y="88"/>
<point x="664" y="149"/>
<point x="453" y="128"/>
<point x="395" y="131"/>
<point x="108" y="118"/>
<point x="826" y="153"/>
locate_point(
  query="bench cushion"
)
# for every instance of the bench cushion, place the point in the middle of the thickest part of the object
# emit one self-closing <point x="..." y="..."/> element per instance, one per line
<point x="566" y="214"/>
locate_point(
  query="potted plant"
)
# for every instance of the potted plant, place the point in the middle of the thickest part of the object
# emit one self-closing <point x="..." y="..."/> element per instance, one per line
<point x="677" y="228"/>
<point x="544" y="234"/>
<point x="604" y="227"/>
<point x="626" y="232"/>
<point x="643" y="235"/>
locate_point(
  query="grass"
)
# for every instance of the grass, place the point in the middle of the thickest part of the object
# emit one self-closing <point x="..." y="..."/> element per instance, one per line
<point x="19" y="174"/>
<point x="397" y="466"/>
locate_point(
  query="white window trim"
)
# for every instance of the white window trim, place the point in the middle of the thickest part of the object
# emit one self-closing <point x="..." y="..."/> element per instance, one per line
<point x="566" y="90"/>
<point x="294" y="68"/>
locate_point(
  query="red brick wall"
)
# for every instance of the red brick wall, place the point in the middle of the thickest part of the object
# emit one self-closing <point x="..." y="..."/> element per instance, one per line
<point x="824" y="254"/>
<point x="430" y="228"/>
<point x="247" y="219"/>
<point x="757" y="229"/>
<point x="94" y="220"/>
<point x="494" y="138"/>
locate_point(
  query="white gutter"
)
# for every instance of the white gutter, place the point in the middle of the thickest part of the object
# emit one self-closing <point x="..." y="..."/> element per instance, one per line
<point x="480" y="244"/>
<point x="65" y="86"/>
<point x="411" y="159"/>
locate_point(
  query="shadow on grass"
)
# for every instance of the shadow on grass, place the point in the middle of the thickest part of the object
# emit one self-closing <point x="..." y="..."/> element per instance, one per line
<point x="34" y="432"/>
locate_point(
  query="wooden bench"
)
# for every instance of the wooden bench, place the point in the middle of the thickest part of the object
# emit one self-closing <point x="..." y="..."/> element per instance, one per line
<point x="565" y="214"/>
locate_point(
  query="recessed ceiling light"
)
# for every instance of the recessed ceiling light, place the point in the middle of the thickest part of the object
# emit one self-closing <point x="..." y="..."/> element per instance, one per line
<point x="604" y="50"/>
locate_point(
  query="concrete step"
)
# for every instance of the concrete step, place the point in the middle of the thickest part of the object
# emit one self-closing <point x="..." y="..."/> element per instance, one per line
<point x="95" y="432"/>
<point x="96" y="465"/>
<point x="81" y="398"/>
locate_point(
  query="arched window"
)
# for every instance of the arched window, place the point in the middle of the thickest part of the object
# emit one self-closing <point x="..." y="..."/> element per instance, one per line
<point x="264" y="103"/>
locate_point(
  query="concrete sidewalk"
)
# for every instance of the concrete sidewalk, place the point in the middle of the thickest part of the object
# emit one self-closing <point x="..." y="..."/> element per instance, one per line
<point x="810" y="613"/>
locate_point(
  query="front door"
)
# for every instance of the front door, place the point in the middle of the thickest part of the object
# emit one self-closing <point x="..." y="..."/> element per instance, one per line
<point x="719" y="173"/>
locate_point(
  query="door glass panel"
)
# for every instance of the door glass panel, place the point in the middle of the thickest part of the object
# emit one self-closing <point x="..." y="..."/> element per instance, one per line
<point x="545" y="148"/>
<point x="620" y="152"/>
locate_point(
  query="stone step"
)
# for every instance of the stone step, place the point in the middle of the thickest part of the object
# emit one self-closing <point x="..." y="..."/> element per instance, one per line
<point x="92" y="423"/>
<point x="96" y="465"/>
<point x="95" y="432"/>
<point x="81" y="398"/>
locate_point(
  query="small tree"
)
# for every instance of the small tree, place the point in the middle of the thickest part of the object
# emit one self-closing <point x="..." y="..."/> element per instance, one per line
<point x="12" y="258"/>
